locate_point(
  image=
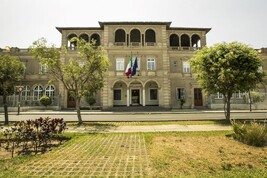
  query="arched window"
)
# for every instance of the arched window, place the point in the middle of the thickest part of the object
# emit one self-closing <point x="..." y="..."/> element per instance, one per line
<point x="96" y="38"/>
<point x="150" y="37"/>
<point x="25" y="94"/>
<point x="120" y="36"/>
<point x="72" y="45"/>
<point x="37" y="92"/>
<point x="85" y="37"/>
<point x="174" y="40"/>
<point x="135" y="37"/>
<point x="50" y="91"/>
<point x="195" y="39"/>
<point x="185" y="41"/>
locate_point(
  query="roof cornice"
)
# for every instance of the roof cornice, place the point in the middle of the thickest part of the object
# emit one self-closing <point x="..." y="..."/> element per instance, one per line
<point x="135" y="23"/>
<point x="77" y="28"/>
<point x="102" y="24"/>
<point x="190" y="29"/>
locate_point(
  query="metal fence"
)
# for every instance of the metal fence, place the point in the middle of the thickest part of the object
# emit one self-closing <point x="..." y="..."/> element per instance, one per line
<point x="14" y="100"/>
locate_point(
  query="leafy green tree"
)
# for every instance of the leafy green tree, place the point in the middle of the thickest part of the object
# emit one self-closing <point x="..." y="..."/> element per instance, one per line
<point x="90" y="99"/>
<point x="227" y="68"/>
<point x="253" y="97"/>
<point x="11" y="71"/>
<point x="78" y="74"/>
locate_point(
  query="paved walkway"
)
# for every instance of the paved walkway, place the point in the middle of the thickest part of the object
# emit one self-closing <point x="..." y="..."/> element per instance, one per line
<point x="148" y="128"/>
<point x="93" y="155"/>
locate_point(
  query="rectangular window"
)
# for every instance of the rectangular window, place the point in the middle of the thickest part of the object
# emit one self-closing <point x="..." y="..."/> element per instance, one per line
<point x="117" y="94"/>
<point x="151" y="64"/>
<point x="180" y="93"/>
<point x="153" y="94"/>
<point x="237" y="95"/>
<point x="119" y="64"/>
<point x="186" y="67"/>
<point x="25" y="94"/>
<point x="43" y="68"/>
<point x="219" y="96"/>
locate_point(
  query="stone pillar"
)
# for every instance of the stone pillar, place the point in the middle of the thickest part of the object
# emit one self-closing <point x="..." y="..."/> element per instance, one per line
<point x="105" y="37"/>
<point x="144" y="96"/>
<point x="128" y="96"/>
<point x="203" y="39"/>
<point x="105" y="94"/>
<point x="180" y="43"/>
<point x="165" y="88"/>
<point x="64" y="40"/>
<point x="190" y="42"/>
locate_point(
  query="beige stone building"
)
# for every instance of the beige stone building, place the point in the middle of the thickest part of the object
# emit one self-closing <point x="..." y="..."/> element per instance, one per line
<point x="163" y="76"/>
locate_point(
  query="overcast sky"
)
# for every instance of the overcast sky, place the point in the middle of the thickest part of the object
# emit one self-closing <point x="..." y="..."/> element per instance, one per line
<point x="24" y="21"/>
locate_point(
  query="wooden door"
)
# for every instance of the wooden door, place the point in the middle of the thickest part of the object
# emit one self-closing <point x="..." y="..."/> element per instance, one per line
<point x="198" y="97"/>
<point x="135" y="97"/>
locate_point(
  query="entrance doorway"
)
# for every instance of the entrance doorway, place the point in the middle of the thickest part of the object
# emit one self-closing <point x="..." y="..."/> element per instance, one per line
<point x="198" y="97"/>
<point x="135" y="97"/>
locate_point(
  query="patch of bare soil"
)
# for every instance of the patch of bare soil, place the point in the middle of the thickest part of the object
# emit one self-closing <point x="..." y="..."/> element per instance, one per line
<point x="207" y="155"/>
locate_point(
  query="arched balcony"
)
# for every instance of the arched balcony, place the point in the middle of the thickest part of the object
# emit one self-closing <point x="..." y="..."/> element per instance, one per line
<point x="135" y="37"/>
<point x="120" y="37"/>
<point x="95" y="37"/>
<point x="150" y="37"/>
<point x="196" y="43"/>
<point x="71" y="45"/>
<point x="185" y="42"/>
<point x="174" y="42"/>
<point x="85" y="37"/>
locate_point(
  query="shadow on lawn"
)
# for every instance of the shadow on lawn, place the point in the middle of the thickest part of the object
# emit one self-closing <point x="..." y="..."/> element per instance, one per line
<point x="10" y="148"/>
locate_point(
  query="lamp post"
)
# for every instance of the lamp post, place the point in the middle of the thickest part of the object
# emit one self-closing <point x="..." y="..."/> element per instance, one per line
<point x="19" y="89"/>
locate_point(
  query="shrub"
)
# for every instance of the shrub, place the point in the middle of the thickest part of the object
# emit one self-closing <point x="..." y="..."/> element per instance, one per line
<point x="251" y="133"/>
<point x="45" y="100"/>
<point x="90" y="99"/>
<point x="33" y="134"/>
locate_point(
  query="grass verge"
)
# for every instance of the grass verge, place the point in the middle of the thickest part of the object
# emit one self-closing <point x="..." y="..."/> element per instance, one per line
<point x="204" y="154"/>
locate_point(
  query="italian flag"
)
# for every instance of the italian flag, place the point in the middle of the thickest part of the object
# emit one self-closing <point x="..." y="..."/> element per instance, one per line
<point x="129" y="68"/>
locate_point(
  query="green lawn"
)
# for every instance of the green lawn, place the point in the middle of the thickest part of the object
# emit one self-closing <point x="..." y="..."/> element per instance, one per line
<point x="179" y="154"/>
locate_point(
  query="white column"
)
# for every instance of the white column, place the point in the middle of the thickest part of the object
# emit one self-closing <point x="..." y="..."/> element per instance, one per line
<point x="128" y="96"/>
<point x="144" y="96"/>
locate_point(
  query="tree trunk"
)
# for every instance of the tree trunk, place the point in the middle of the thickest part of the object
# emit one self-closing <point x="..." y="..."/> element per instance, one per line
<point x="228" y="107"/>
<point x="5" y="109"/>
<point x="78" y="110"/>
<point x="249" y="100"/>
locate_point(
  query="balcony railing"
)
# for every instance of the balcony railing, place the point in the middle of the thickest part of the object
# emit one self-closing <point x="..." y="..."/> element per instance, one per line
<point x="184" y="48"/>
<point x="119" y="43"/>
<point x="135" y="44"/>
<point x="150" y="44"/>
<point x="14" y="50"/>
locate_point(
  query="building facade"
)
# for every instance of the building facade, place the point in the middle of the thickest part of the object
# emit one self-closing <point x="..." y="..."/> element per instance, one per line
<point x="163" y="78"/>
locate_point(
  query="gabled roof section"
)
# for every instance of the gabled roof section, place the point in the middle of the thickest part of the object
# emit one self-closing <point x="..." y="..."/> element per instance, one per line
<point x="60" y="29"/>
<point x="134" y="23"/>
